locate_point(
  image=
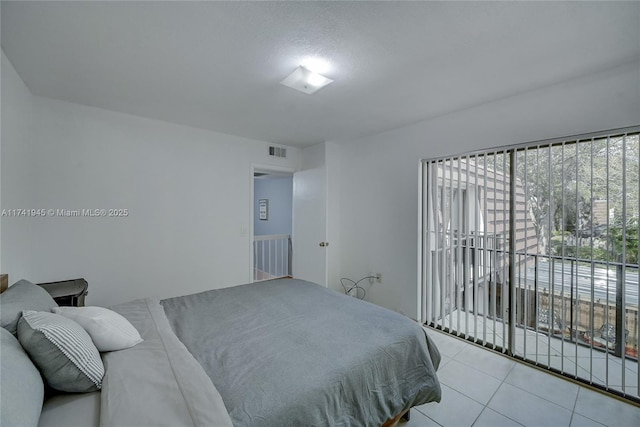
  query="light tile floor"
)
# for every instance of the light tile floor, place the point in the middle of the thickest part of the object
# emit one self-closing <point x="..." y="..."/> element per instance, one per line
<point x="596" y="366"/>
<point x="483" y="388"/>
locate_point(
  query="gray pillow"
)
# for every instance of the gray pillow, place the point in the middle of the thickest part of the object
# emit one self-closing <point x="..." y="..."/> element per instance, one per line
<point x="21" y="387"/>
<point x="62" y="350"/>
<point x="22" y="295"/>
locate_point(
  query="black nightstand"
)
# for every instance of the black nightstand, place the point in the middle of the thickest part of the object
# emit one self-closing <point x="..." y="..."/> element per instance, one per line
<point x="67" y="292"/>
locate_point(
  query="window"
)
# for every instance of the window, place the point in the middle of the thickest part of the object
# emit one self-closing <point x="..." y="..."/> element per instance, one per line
<point x="533" y="250"/>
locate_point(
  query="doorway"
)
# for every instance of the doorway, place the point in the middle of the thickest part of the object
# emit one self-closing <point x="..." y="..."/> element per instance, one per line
<point x="305" y="244"/>
<point x="272" y="250"/>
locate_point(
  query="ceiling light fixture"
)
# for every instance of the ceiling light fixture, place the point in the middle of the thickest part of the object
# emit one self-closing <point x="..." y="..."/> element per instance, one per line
<point x="316" y="64"/>
<point x="306" y="81"/>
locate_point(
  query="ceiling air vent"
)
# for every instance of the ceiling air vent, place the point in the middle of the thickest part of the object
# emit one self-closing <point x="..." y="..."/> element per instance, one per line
<point x="277" y="151"/>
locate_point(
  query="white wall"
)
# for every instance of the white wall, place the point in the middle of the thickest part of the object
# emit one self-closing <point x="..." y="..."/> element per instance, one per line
<point x="187" y="191"/>
<point x="15" y="166"/>
<point x="379" y="189"/>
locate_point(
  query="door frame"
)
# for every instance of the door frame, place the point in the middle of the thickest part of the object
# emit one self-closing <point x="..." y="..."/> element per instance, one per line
<point x="260" y="167"/>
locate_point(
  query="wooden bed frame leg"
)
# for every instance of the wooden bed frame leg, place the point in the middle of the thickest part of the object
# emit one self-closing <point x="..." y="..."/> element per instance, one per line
<point x="406" y="416"/>
<point x="394" y="421"/>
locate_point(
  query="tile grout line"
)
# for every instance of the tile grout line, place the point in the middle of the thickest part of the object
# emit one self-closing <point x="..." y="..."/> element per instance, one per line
<point x="551" y="374"/>
<point x="493" y="395"/>
<point x="494" y="353"/>
<point x="580" y="388"/>
<point x="428" y="416"/>
<point x="541" y="365"/>
<point x="544" y="398"/>
<point x="484" y="406"/>
<point x="452" y="337"/>
<point x="575" y="403"/>
<point x="502" y="382"/>
<point x="499" y="413"/>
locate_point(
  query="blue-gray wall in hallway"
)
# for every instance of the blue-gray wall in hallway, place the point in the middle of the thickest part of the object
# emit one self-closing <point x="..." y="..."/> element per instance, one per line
<point x="279" y="192"/>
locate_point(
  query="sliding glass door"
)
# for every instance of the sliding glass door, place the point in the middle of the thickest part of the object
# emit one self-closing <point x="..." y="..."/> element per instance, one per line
<point x="532" y="250"/>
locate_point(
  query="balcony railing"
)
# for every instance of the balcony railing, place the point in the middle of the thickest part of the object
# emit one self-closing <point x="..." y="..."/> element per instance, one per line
<point x="578" y="300"/>
<point x="575" y="316"/>
<point x="271" y="256"/>
<point x="583" y="297"/>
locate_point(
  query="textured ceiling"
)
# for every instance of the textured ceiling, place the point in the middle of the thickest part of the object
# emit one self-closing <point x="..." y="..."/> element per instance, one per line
<point x="217" y="65"/>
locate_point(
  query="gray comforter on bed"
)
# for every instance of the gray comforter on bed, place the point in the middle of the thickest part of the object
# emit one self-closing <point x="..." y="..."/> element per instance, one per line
<point x="157" y="382"/>
<point x="291" y="353"/>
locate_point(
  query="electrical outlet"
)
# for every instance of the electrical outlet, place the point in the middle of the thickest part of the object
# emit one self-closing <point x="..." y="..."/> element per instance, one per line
<point x="375" y="277"/>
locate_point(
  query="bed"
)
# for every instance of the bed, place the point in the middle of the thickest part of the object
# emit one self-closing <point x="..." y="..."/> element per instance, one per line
<point x="283" y="352"/>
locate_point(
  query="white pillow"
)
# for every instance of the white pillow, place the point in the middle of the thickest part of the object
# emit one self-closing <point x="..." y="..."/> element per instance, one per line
<point x="108" y="330"/>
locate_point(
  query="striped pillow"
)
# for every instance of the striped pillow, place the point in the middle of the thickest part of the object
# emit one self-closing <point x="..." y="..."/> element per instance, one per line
<point x="62" y="350"/>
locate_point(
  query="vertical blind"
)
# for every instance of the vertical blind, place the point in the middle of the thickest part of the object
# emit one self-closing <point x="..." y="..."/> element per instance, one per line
<point x="532" y="250"/>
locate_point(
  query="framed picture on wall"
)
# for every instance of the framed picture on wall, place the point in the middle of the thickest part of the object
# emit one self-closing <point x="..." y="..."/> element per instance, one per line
<point x="263" y="209"/>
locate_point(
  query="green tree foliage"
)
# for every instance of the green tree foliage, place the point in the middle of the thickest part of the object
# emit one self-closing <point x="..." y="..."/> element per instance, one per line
<point x="624" y="242"/>
<point x="562" y="181"/>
